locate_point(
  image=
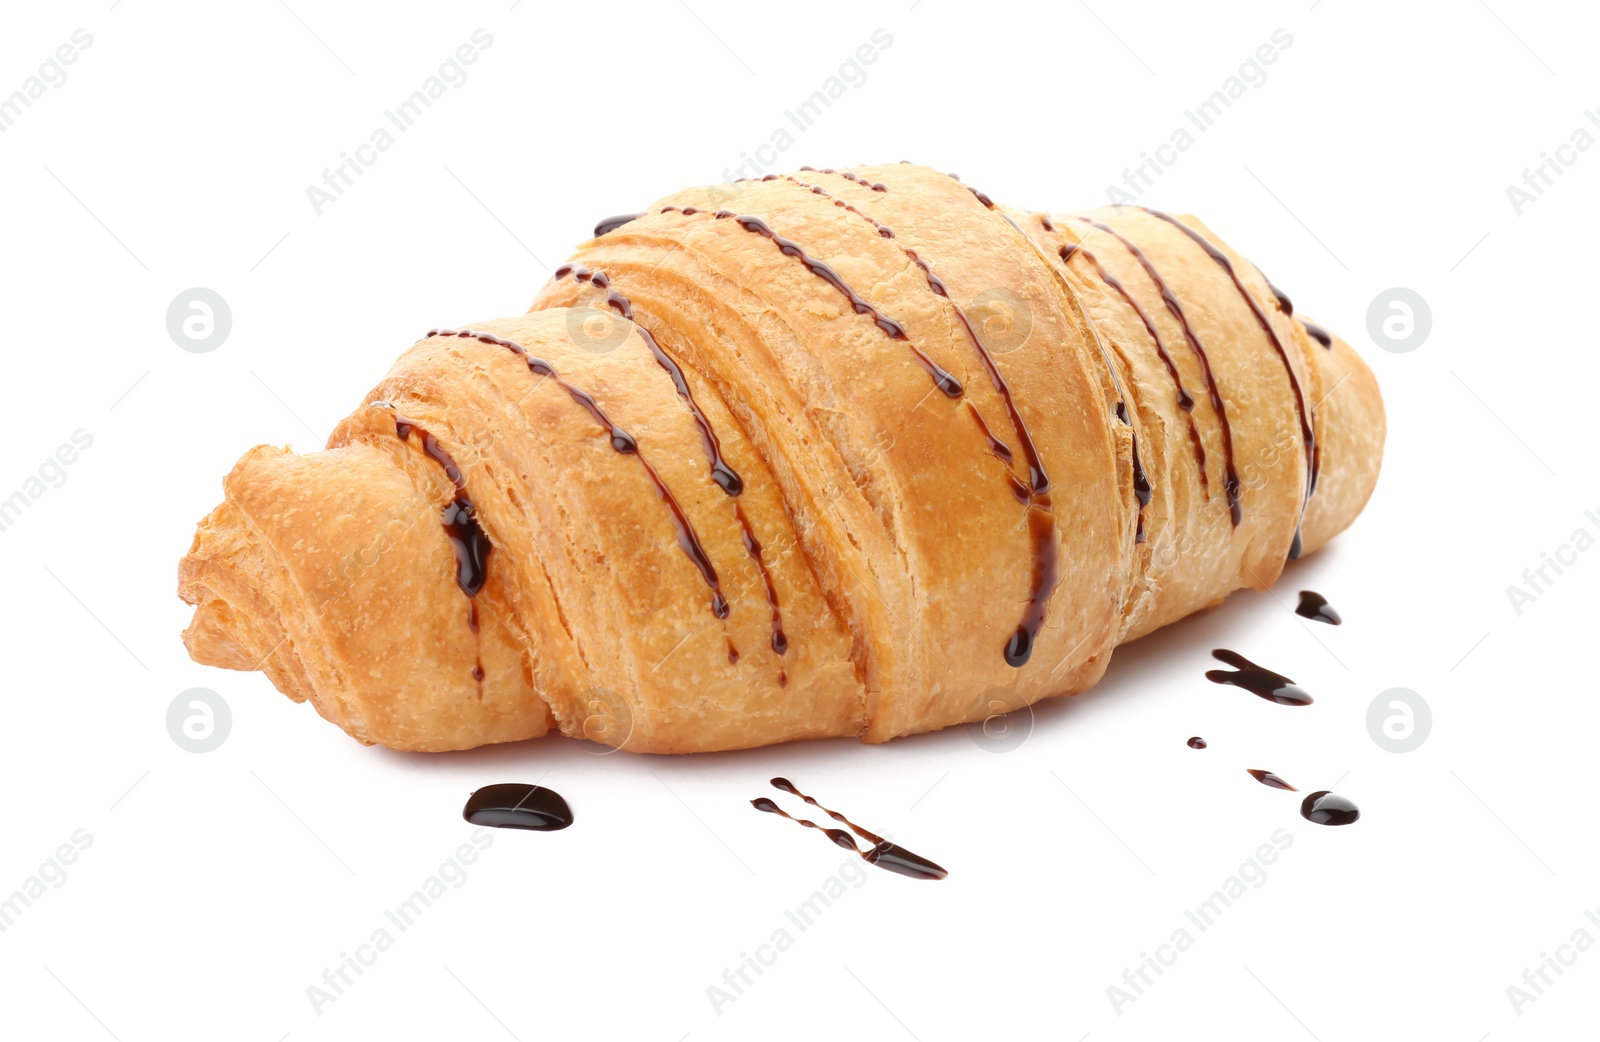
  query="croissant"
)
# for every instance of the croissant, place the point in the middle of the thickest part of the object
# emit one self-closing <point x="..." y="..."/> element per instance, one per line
<point x="825" y="453"/>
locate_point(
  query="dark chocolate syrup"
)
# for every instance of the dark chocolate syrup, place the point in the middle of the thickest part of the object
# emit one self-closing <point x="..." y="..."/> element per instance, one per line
<point x="1141" y="483"/>
<point x="1315" y="606"/>
<point x="1307" y="434"/>
<point x="1328" y="808"/>
<point x="460" y="516"/>
<point x="1230" y="477"/>
<point x="1185" y="399"/>
<point x="513" y="806"/>
<point x="780" y="642"/>
<point x="949" y="385"/>
<point x="623" y="443"/>
<point x="1258" y="680"/>
<point x="882" y="853"/>
<point x="721" y="472"/>
<point x="1317" y="333"/>
<point x="1271" y="780"/>
<point x="1197" y="742"/>
<point x="611" y="224"/>
<point x="883" y="230"/>
<point x="1285" y="305"/>
<point x="1020" y="647"/>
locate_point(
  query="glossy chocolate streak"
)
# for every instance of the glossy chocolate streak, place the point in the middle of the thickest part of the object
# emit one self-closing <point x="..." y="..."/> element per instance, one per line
<point x="1185" y="399"/>
<point x="883" y="853"/>
<point x="1001" y="451"/>
<point x="1230" y="476"/>
<point x="1315" y="606"/>
<point x="883" y="229"/>
<point x="460" y="516"/>
<point x="949" y="385"/>
<point x="1317" y="333"/>
<point x="624" y="443"/>
<point x="1141" y="483"/>
<point x="512" y="806"/>
<point x="724" y="475"/>
<point x="1307" y="435"/>
<point x="611" y="224"/>
<point x="1041" y="519"/>
<point x="1258" y="680"/>
<point x="1285" y="305"/>
<point x="780" y="643"/>
<point x="1271" y="780"/>
<point x="876" y="186"/>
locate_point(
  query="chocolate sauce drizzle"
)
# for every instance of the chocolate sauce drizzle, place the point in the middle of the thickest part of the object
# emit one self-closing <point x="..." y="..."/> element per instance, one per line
<point x="611" y="224"/>
<point x="461" y="527"/>
<point x="876" y="186"/>
<point x="1307" y="434"/>
<point x="1329" y="808"/>
<point x="1270" y="780"/>
<point x="1185" y="399"/>
<point x="882" y="853"/>
<point x="625" y="444"/>
<point x="512" y="806"/>
<point x="1317" y="333"/>
<point x="1285" y="305"/>
<point x="1258" y="680"/>
<point x="1230" y="476"/>
<point x="949" y="385"/>
<point x="721" y="472"/>
<point x="1041" y="518"/>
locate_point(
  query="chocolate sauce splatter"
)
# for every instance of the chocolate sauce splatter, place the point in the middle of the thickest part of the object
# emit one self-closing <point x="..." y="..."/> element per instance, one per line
<point x="460" y="516"/>
<point x="884" y="854"/>
<point x="1271" y="780"/>
<point x="513" y="806"/>
<point x="1197" y="742"/>
<point x="1315" y="606"/>
<point x="611" y="224"/>
<point x="1328" y="808"/>
<point x="1258" y="680"/>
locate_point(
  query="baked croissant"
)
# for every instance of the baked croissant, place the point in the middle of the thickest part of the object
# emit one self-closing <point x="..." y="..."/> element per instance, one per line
<point x="828" y="453"/>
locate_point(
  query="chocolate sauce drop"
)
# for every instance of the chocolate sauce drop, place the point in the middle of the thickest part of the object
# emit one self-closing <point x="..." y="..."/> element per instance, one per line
<point x="611" y="224"/>
<point x="515" y="806"/>
<point x="1258" y="680"/>
<point x="1315" y="606"/>
<point x="884" y="854"/>
<point x="1317" y="333"/>
<point x="1328" y="808"/>
<point x="1284" y="303"/>
<point x="1271" y="780"/>
<point x="1197" y="742"/>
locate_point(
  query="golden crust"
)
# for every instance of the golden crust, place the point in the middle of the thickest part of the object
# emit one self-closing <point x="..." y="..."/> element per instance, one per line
<point x="880" y="528"/>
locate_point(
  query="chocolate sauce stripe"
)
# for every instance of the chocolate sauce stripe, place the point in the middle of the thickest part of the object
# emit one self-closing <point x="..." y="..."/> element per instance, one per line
<point x="1142" y="489"/>
<point x="624" y="444"/>
<point x="1185" y="399"/>
<point x="1230" y="482"/>
<point x="1307" y="433"/>
<point x="1045" y="571"/>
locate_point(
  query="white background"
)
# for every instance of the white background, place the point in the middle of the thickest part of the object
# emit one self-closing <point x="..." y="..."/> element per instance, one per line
<point x="218" y="887"/>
